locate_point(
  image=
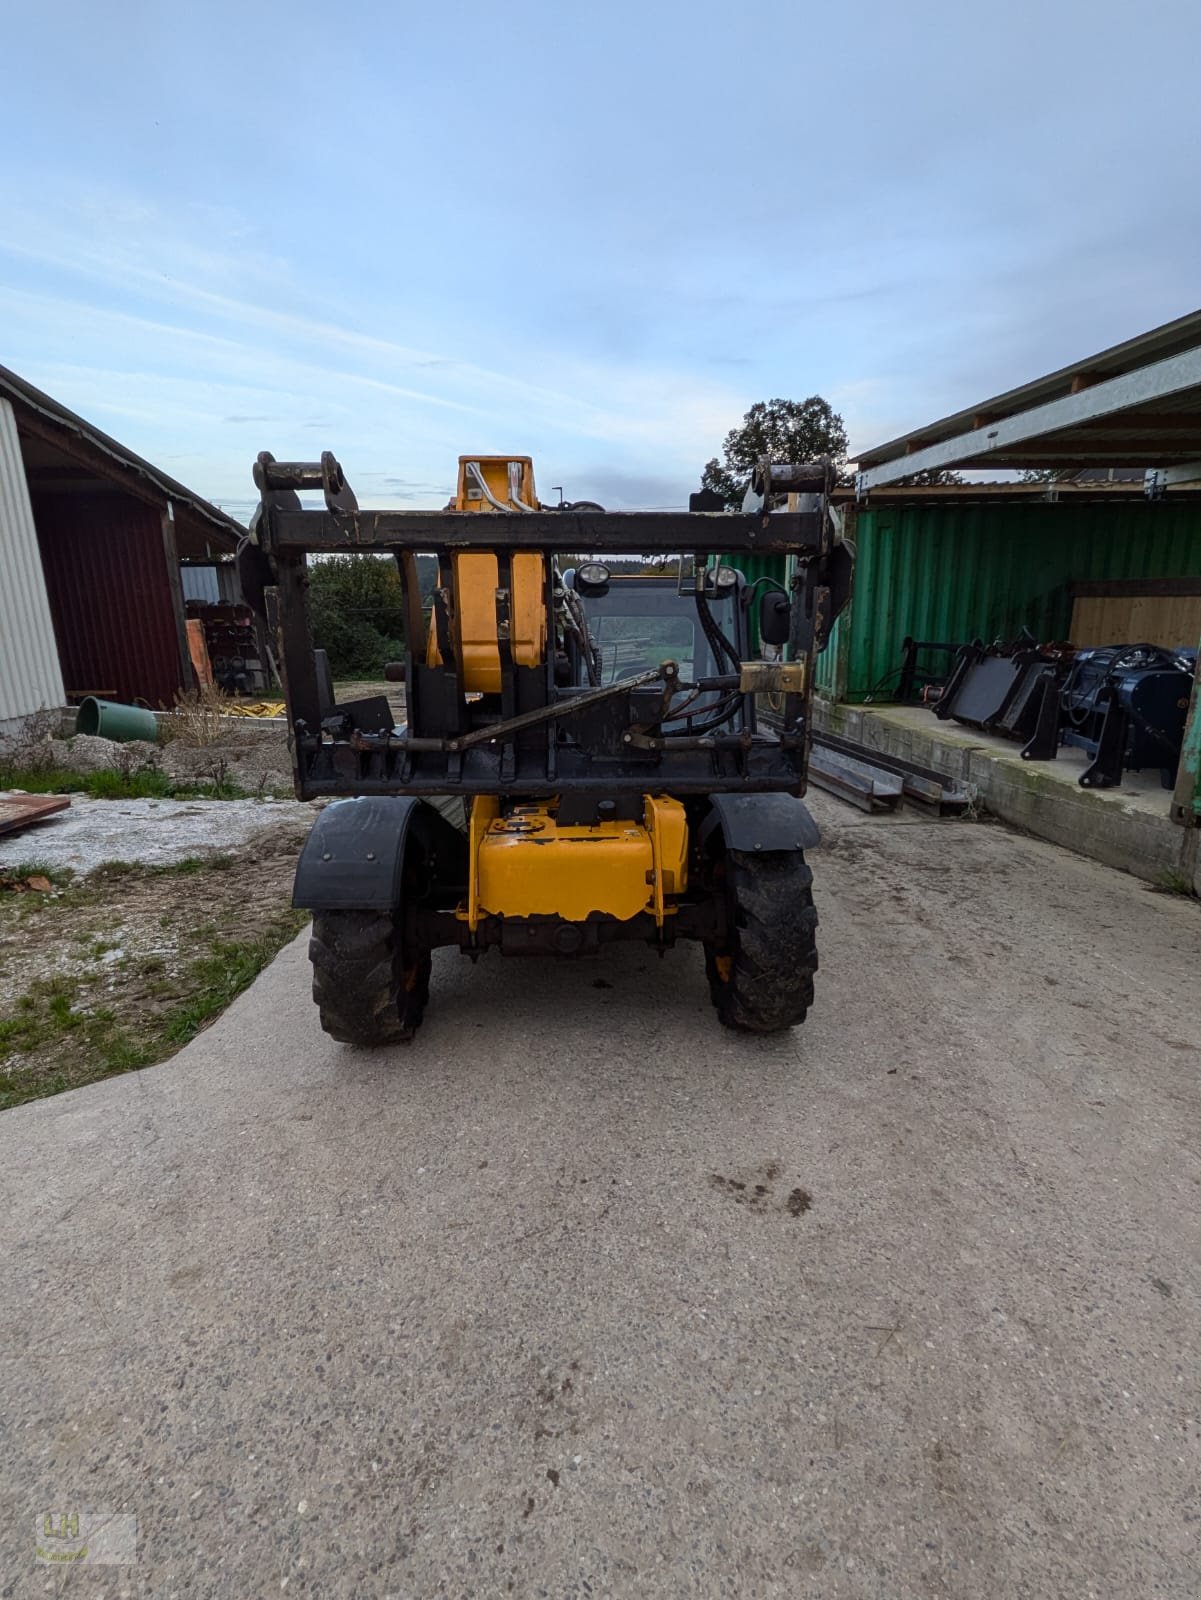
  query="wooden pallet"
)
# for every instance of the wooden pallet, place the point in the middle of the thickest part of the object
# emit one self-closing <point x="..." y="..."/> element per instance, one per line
<point x="19" y="810"/>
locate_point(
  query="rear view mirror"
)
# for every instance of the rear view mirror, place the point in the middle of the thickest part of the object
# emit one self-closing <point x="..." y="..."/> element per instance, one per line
<point x="775" y="617"/>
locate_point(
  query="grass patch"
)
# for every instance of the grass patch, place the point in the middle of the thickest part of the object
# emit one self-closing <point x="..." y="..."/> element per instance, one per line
<point x="111" y="871"/>
<point x="60" y="877"/>
<point x="219" y="789"/>
<point x="222" y="973"/>
<point x="42" y="1014"/>
<point x="107" y="784"/>
<point x="192" y="864"/>
<point x="147" y="783"/>
<point x="97" y="1017"/>
<point x="1172" y="881"/>
<point x="51" y="1040"/>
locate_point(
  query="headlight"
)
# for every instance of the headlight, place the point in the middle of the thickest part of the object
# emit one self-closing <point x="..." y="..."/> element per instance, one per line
<point x="719" y="580"/>
<point x="592" y="577"/>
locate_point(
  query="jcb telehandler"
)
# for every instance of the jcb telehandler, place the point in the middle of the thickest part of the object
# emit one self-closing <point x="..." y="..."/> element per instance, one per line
<point x="582" y="760"/>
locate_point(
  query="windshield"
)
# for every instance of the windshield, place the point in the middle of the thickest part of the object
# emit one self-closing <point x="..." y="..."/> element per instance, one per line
<point x="632" y="644"/>
<point x="638" y="623"/>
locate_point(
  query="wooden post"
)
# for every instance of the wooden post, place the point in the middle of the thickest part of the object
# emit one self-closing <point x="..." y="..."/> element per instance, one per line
<point x="187" y="675"/>
<point x="1186" y="801"/>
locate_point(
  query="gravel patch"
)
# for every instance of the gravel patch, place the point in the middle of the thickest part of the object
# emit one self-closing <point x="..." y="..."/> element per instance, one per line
<point x="155" y="832"/>
<point x="261" y="764"/>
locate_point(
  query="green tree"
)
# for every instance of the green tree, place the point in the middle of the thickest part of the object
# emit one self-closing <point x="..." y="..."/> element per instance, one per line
<point x="785" y="430"/>
<point x="356" y="613"/>
<point x="932" y="477"/>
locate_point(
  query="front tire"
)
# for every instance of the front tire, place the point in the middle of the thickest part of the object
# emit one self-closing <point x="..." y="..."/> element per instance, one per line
<point x="368" y="990"/>
<point x="761" y="974"/>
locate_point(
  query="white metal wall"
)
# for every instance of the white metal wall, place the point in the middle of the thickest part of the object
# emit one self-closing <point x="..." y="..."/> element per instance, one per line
<point x="30" y="676"/>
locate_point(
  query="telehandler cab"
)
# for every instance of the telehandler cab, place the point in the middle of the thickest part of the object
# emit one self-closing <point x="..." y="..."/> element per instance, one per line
<point x="582" y="760"/>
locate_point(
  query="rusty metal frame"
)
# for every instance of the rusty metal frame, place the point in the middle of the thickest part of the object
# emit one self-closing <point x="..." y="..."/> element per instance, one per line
<point x="439" y="753"/>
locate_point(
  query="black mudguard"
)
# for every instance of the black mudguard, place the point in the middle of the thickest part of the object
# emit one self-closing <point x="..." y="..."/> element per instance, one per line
<point x="353" y="858"/>
<point x="761" y="822"/>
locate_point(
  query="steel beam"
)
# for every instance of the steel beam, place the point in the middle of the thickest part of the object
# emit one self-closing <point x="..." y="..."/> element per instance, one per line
<point x="869" y="789"/>
<point x="597" y="532"/>
<point x="1003" y="437"/>
<point x="1157" y="479"/>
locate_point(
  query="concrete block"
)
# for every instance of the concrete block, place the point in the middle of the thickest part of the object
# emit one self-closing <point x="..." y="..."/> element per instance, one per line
<point x="1088" y="821"/>
<point x="1124" y="830"/>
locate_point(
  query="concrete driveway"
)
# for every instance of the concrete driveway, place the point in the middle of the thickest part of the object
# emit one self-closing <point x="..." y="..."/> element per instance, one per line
<point x="582" y="1296"/>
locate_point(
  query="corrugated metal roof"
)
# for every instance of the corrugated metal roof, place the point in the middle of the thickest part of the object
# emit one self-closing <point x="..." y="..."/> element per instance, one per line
<point x="1158" y="344"/>
<point x="1073" y="489"/>
<point x="223" y="530"/>
<point x="29" y="670"/>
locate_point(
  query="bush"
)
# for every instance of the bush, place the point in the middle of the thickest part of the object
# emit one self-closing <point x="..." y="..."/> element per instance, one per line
<point x="199" y="717"/>
<point x="357" y="613"/>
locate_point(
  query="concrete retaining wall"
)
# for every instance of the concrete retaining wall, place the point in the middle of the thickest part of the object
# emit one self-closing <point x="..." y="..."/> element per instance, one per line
<point x="1122" y="831"/>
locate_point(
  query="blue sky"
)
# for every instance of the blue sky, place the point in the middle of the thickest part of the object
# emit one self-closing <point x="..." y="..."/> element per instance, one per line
<point x="594" y="234"/>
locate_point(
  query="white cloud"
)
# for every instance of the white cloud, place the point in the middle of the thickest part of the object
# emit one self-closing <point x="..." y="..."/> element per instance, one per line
<point x="179" y="369"/>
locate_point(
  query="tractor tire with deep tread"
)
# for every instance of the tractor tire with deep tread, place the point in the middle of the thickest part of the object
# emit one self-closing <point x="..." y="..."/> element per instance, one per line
<point x="761" y="976"/>
<point x="366" y="992"/>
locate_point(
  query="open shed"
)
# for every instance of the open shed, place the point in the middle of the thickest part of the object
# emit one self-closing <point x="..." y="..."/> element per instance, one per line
<point x="1098" y="543"/>
<point x="984" y="561"/>
<point x="954" y="562"/>
<point x="93" y="539"/>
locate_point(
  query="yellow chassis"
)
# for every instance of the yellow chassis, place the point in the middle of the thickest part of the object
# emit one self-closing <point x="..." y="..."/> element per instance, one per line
<point x="524" y="864"/>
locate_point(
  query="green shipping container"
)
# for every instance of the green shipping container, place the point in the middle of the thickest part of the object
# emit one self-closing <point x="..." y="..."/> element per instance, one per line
<point x="954" y="572"/>
<point x="753" y="566"/>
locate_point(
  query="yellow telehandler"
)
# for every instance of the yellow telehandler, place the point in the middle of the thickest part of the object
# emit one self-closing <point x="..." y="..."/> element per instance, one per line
<point x="582" y="760"/>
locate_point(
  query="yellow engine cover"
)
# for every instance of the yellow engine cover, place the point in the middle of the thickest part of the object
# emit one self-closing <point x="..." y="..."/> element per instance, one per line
<point x="525" y="865"/>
